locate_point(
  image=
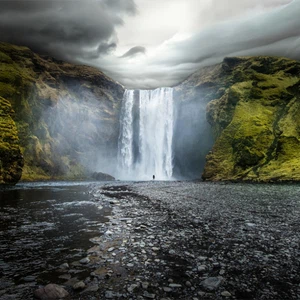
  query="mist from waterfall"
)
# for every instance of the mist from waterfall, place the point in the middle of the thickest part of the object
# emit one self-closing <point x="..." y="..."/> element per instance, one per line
<point x="146" y="135"/>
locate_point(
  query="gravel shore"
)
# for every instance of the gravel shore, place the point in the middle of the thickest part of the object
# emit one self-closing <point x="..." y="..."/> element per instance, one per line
<point x="195" y="240"/>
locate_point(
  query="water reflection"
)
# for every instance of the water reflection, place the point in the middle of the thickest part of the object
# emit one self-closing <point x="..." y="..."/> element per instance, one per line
<point x="44" y="225"/>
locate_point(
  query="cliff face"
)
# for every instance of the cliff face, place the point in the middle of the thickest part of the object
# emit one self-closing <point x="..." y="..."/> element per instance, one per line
<point x="66" y="116"/>
<point x="11" y="158"/>
<point x="253" y="109"/>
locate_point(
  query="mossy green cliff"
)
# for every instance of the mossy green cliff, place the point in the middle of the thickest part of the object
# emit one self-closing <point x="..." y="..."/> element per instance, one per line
<point x="253" y="106"/>
<point x="11" y="158"/>
<point x="53" y="102"/>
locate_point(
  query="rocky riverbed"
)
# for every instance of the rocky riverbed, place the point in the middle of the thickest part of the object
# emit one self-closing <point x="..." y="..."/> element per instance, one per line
<point x="189" y="240"/>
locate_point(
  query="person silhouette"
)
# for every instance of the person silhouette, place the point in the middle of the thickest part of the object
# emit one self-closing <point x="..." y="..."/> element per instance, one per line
<point x="153" y="177"/>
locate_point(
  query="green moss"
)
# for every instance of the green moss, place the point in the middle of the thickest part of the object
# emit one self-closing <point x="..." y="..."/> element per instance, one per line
<point x="258" y="132"/>
<point x="4" y="58"/>
<point x="11" y="160"/>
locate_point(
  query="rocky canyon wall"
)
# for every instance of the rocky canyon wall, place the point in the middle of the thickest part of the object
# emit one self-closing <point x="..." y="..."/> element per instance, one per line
<point x="63" y="118"/>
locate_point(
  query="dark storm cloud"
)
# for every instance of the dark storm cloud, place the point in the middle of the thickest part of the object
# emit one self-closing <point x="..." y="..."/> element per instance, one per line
<point x="134" y="51"/>
<point x="265" y="34"/>
<point x="276" y="33"/>
<point x="71" y="29"/>
<point x="128" y="5"/>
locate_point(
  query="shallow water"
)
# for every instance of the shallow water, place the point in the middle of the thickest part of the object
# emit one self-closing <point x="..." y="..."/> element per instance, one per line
<point x="43" y="225"/>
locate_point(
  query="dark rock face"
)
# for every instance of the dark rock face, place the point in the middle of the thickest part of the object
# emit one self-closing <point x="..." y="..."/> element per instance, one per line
<point x="11" y="159"/>
<point x="252" y="104"/>
<point x="102" y="176"/>
<point x="67" y="116"/>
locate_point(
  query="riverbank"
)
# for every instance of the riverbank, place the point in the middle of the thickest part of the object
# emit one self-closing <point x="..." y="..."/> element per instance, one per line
<point x="189" y="240"/>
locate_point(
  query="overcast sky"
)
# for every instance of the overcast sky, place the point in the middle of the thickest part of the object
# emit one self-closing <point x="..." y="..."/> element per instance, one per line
<point x="152" y="43"/>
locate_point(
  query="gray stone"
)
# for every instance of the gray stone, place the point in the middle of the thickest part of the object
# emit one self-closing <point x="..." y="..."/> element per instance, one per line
<point x="148" y="295"/>
<point x="65" y="276"/>
<point x="131" y="288"/>
<point x="202" y="268"/>
<point x="226" y="294"/>
<point x="109" y="295"/>
<point x="92" y="288"/>
<point x="79" y="285"/>
<point x="29" y="278"/>
<point x="84" y="261"/>
<point x="175" y="285"/>
<point x="64" y="266"/>
<point x="51" y="291"/>
<point x="212" y="283"/>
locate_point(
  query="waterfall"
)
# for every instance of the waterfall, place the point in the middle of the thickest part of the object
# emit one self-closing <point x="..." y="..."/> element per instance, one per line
<point x="146" y="135"/>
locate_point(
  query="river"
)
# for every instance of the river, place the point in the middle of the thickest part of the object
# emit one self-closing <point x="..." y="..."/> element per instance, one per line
<point x="43" y="225"/>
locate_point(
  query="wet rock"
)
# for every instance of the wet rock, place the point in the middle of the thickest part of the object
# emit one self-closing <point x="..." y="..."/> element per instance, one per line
<point x="148" y="295"/>
<point x="202" y="268"/>
<point x="131" y="288"/>
<point x="212" y="283"/>
<point x="188" y="284"/>
<point x="79" y="285"/>
<point x="109" y="295"/>
<point x="175" y="285"/>
<point x="29" y="278"/>
<point x="84" y="261"/>
<point x="51" y="291"/>
<point x="92" y="288"/>
<point x="102" y="177"/>
<point x="64" y="266"/>
<point x="226" y="294"/>
<point x="65" y="276"/>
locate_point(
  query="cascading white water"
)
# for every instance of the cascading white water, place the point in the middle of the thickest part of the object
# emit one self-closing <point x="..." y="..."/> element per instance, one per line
<point x="145" y="143"/>
<point x="125" y="146"/>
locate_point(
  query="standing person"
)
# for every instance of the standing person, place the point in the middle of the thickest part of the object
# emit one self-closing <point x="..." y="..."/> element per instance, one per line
<point x="153" y="177"/>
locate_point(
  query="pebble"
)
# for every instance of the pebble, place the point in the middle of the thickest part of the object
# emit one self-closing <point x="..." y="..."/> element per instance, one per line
<point x="212" y="283"/>
<point x="84" y="261"/>
<point x="148" y="295"/>
<point x="109" y="295"/>
<point x="175" y="285"/>
<point x="79" y="285"/>
<point x="29" y="278"/>
<point x="226" y="294"/>
<point x="202" y="268"/>
<point x="64" y="266"/>
<point x="188" y="284"/>
<point x="92" y="288"/>
<point x="145" y="285"/>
